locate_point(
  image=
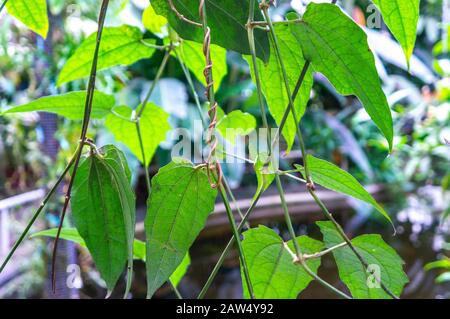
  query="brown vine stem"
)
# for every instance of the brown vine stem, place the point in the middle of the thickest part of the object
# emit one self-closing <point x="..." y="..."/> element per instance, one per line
<point x="85" y="126"/>
<point x="212" y="141"/>
<point x="310" y="184"/>
<point x="205" y="124"/>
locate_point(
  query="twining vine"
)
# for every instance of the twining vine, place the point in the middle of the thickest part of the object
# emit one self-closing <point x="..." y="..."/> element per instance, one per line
<point x="164" y="250"/>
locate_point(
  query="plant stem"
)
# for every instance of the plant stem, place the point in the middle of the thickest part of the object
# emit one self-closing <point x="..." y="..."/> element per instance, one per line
<point x="302" y="262"/>
<point x="310" y="184"/>
<point x="159" y="73"/>
<point x="237" y="239"/>
<point x="323" y="252"/>
<point x="287" y="217"/>
<point x="229" y="246"/>
<point x="38" y="212"/>
<point x="141" y="145"/>
<point x="204" y="124"/>
<point x="175" y="290"/>
<point x="262" y="109"/>
<point x="288" y="90"/>
<point x="3" y="5"/>
<point x="291" y="176"/>
<point x="85" y="125"/>
<point x="188" y="77"/>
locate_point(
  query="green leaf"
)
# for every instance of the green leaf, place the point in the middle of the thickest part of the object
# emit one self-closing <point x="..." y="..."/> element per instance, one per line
<point x="272" y="271"/>
<point x="336" y="179"/>
<point x="154" y="125"/>
<point x="103" y="208"/>
<point x="31" y="13"/>
<point x="337" y="47"/>
<point x="152" y="21"/>
<point x="234" y="124"/>
<point x="377" y="253"/>
<point x="179" y="204"/>
<point x="265" y="174"/>
<point x="70" y="105"/>
<point x="443" y="263"/>
<point x="181" y="270"/>
<point x="445" y="277"/>
<point x="120" y="46"/>
<point x="226" y="18"/>
<point x="71" y="234"/>
<point x="401" y="17"/>
<point x="272" y="82"/>
<point x="191" y="53"/>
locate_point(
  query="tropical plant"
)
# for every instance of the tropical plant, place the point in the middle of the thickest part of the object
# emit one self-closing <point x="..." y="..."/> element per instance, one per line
<point x="283" y="56"/>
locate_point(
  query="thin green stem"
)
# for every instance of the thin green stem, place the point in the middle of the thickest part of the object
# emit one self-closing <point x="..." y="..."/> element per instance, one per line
<point x="233" y="199"/>
<point x="141" y="146"/>
<point x="288" y="90"/>
<point x="324" y="252"/>
<point x="159" y="73"/>
<point x="229" y="246"/>
<point x="287" y="216"/>
<point x="292" y="176"/>
<point x="302" y="262"/>
<point x="262" y="109"/>
<point x="38" y="212"/>
<point x="3" y="5"/>
<point x="310" y="184"/>
<point x="175" y="290"/>
<point x="237" y="239"/>
<point x="190" y="82"/>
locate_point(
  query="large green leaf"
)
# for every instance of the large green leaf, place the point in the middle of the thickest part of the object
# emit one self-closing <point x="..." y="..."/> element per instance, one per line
<point x="272" y="82"/>
<point x="333" y="177"/>
<point x="70" y="105"/>
<point x="191" y="53"/>
<point x="179" y="204"/>
<point x="401" y="16"/>
<point x="226" y="18"/>
<point x="378" y="254"/>
<point x="103" y="208"/>
<point x="337" y="47"/>
<point x="154" y="125"/>
<point x="272" y="271"/>
<point x="31" y="13"/>
<point x="120" y="46"/>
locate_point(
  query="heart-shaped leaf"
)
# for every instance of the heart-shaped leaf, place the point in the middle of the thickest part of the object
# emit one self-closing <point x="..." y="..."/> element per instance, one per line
<point x="103" y="208"/>
<point x="179" y="204"/>
<point x="337" y="47"/>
